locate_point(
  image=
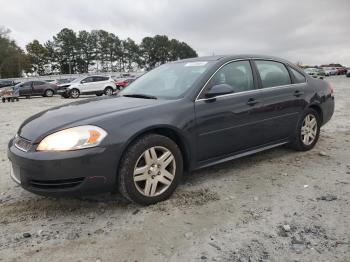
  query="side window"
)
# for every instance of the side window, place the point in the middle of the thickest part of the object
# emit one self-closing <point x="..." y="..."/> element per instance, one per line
<point x="299" y="77"/>
<point x="27" y="84"/>
<point x="236" y="74"/>
<point x="273" y="73"/>
<point x="87" y="80"/>
<point x="38" y="83"/>
<point x="97" y="78"/>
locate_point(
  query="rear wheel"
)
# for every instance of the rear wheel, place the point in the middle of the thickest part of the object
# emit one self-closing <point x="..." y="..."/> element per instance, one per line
<point x="308" y="131"/>
<point x="74" y="93"/>
<point x="108" y="91"/>
<point x="150" y="170"/>
<point x="48" y="93"/>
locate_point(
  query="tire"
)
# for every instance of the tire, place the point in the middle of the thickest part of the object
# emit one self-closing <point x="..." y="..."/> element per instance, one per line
<point x="65" y="96"/>
<point x="48" y="93"/>
<point x="74" y="93"/>
<point x="99" y="94"/>
<point x="305" y="142"/>
<point x="135" y="155"/>
<point x="108" y="91"/>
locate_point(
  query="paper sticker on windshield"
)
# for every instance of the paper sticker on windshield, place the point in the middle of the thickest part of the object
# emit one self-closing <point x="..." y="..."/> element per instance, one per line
<point x="202" y="63"/>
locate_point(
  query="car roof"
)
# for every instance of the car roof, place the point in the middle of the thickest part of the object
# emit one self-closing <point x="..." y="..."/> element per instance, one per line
<point x="232" y="57"/>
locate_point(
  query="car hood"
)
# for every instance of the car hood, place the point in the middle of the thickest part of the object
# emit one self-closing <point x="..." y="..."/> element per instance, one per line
<point x="40" y="125"/>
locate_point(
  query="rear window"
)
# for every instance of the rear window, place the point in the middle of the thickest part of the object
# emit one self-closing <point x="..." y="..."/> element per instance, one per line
<point x="299" y="77"/>
<point x="273" y="73"/>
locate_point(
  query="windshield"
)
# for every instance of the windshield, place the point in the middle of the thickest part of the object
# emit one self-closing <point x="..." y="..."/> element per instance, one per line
<point x="78" y="79"/>
<point x="169" y="81"/>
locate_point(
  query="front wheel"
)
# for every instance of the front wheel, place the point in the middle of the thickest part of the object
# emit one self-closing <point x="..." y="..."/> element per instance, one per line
<point x="74" y="93"/>
<point x="308" y="131"/>
<point x="150" y="170"/>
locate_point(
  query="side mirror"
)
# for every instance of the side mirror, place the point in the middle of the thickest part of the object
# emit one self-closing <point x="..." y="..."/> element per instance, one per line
<point x="219" y="90"/>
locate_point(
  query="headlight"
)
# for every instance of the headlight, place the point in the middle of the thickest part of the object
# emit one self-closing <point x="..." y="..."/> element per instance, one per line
<point x="72" y="139"/>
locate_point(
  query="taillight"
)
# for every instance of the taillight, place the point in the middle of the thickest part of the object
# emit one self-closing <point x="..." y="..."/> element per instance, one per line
<point x="331" y="89"/>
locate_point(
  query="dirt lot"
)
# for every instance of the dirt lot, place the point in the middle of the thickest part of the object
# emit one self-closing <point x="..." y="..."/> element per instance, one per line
<point x="279" y="205"/>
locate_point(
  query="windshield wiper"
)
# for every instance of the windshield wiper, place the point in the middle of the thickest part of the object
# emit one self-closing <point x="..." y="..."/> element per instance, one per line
<point x="141" y="96"/>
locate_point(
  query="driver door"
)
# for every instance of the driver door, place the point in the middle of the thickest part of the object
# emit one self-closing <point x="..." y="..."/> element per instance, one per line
<point x="25" y="89"/>
<point x="231" y="123"/>
<point x="87" y="85"/>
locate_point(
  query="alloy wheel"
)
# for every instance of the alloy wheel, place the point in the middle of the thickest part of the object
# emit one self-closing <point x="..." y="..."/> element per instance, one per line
<point x="75" y="93"/>
<point x="49" y="93"/>
<point x="154" y="171"/>
<point x="109" y="92"/>
<point x="309" y="129"/>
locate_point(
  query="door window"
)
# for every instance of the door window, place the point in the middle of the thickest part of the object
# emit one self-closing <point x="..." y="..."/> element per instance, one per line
<point x="273" y="73"/>
<point x="299" y="77"/>
<point x="26" y="84"/>
<point x="38" y="83"/>
<point x="236" y="74"/>
<point x="87" y="80"/>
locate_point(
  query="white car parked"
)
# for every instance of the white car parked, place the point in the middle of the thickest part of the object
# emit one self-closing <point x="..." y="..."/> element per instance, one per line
<point x="88" y="85"/>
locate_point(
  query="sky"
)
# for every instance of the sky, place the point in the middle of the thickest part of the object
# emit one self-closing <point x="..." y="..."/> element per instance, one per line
<point x="310" y="31"/>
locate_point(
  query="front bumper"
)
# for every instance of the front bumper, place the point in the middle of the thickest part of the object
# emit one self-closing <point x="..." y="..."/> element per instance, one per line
<point x="79" y="172"/>
<point x="63" y="91"/>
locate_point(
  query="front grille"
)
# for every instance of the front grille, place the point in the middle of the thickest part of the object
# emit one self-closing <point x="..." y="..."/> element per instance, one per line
<point x="56" y="184"/>
<point x="22" y="144"/>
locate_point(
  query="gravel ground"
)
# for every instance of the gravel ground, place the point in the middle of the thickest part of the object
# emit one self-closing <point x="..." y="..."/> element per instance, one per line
<point x="278" y="205"/>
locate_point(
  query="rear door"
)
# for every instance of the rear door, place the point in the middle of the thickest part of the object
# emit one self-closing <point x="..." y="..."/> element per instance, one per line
<point x="99" y="82"/>
<point x="283" y="99"/>
<point x="229" y="124"/>
<point x="39" y="87"/>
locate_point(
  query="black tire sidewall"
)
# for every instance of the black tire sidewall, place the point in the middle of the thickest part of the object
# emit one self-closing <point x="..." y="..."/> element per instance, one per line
<point x="126" y="170"/>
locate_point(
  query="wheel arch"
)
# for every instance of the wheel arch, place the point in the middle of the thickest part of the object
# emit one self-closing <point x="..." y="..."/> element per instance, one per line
<point x="109" y="86"/>
<point x="169" y="132"/>
<point x="318" y="109"/>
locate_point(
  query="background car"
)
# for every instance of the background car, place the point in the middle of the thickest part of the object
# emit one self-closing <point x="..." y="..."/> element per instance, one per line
<point x="36" y="88"/>
<point x="88" y="85"/>
<point x="341" y="70"/>
<point x="122" y="83"/>
<point x="316" y="72"/>
<point x="5" y="85"/>
<point x="311" y="71"/>
<point x="327" y="71"/>
<point x="320" y="72"/>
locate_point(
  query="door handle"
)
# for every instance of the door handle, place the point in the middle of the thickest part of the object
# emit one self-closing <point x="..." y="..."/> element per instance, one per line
<point x="252" y="102"/>
<point x="298" y="93"/>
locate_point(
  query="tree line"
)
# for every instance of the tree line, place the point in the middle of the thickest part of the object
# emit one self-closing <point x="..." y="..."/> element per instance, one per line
<point x="79" y="52"/>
